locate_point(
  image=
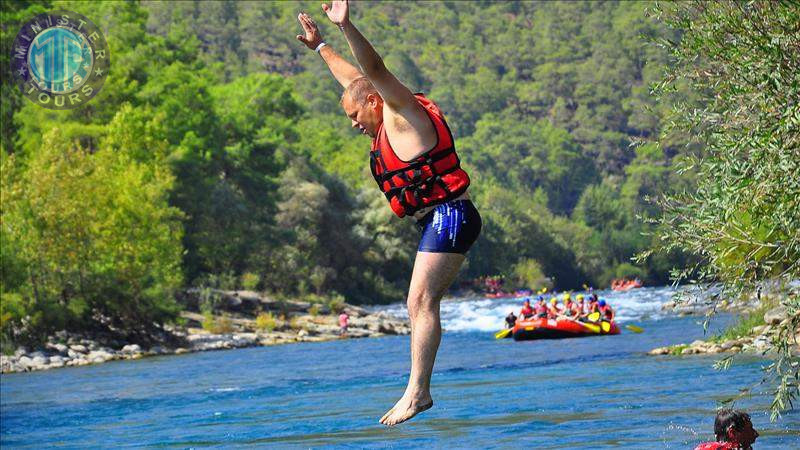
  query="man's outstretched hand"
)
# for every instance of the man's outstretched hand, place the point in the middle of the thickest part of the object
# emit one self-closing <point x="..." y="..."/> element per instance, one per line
<point x="312" y="37"/>
<point x="338" y="12"/>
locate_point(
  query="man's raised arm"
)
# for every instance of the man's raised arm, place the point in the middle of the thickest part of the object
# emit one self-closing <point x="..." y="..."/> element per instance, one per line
<point x="343" y="71"/>
<point x="396" y="95"/>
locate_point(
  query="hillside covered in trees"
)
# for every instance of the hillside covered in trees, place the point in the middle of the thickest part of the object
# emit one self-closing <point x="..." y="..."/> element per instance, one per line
<point x="217" y="155"/>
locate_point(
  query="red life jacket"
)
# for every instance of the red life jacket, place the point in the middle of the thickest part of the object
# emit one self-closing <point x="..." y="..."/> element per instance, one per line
<point x="717" y="446"/>
<point x="430" y="179"/>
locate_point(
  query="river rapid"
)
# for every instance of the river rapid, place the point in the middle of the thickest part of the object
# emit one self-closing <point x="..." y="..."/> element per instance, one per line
<point x="575" y="393"/>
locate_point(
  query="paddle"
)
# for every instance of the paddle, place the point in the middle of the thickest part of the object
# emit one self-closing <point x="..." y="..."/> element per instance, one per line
<point x="634" y="328"/>
<point x="502" y="333"/>
<point x="594" y="317"/>
<point x="589" y="326"/>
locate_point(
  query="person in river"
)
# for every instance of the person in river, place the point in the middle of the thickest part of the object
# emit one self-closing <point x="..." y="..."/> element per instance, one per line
<point x="569" y="308"/>
<point x="414" y="162"/>
<point x="605" y="310"/>
<point x="592" y="306"/>
<point x="580" y="307"/>
<point x="511" y="320"/>
<point x="527" y="310"/>
<point x="553" y="310"/>
<point x="540" y="310"/>
<point x="733" y="430"/>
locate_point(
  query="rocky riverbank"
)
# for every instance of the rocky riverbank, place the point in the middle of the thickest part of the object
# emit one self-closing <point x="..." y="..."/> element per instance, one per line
<point x="699" y="306"/>
<point x="754" y="340"/>
<point x="241" y="319"/>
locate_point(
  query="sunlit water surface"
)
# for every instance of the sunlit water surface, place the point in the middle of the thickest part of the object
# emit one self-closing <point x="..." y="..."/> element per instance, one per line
<point x="575" y="393"/>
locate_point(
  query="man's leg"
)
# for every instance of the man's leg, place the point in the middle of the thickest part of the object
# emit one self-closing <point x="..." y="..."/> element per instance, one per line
<point x="433" y="274"/>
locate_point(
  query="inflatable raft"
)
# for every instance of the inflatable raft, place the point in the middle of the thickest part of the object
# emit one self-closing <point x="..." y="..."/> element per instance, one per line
<point x="625" y="285"/>
<point x="559" y="329"/>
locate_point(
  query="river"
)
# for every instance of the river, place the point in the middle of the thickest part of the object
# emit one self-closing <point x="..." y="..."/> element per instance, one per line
<point x="576" y="393"/>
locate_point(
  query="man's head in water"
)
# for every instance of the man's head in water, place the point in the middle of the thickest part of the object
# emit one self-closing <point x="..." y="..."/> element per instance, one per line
<point x="735" y="427"/>
<point x="363" y="105"/>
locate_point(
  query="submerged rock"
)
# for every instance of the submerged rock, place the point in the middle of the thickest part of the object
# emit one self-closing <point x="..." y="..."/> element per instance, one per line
<point x="660" y="351"/>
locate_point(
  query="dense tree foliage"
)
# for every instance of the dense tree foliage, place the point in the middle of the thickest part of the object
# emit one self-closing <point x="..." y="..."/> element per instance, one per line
<point x="89" y="238"/>
<point x="242" y="127"/>
<point x="743" y="220"/>
<point x="544" y="99"/>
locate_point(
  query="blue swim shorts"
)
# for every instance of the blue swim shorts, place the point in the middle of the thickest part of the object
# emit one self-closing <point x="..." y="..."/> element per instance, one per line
<point x="451" y="227"/>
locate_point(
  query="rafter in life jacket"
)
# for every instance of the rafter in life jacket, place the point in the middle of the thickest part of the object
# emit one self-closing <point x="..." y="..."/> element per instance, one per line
<point x="432" y="178"/>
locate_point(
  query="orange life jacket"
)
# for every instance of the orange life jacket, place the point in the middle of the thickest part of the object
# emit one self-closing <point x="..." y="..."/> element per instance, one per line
<point x="434" y="177"/>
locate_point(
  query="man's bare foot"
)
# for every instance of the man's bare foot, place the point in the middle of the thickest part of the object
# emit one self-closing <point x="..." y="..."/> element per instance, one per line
<point x="405" y="408"/>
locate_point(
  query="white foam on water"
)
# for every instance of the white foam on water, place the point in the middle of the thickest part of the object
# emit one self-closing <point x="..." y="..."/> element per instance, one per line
<point x="225" y="389"/>
<point x="487" y="314"/>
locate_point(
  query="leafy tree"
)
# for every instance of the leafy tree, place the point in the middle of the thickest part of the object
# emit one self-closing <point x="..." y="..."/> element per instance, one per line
<point x="542" y="97"/>
<point x="13" y="16"/>
<point x="88" y="238"/>
<point x="530" y="156"/>
<point x="743" y="220"/>
<point x="599" y="207"/>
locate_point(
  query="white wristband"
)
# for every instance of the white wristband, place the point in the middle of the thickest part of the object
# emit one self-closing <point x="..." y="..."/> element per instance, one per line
<point x="319" y="47"/>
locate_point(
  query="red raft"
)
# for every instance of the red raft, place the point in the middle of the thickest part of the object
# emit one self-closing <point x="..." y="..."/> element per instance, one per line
<point x="558" y="329"/>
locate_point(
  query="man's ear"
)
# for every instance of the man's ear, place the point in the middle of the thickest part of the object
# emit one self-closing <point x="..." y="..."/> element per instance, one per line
<point x="731" y="433"/>
<point x="374" y="100"/>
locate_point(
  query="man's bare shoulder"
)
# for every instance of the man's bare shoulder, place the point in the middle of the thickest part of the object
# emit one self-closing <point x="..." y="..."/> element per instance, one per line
<point x="410" y="133"/>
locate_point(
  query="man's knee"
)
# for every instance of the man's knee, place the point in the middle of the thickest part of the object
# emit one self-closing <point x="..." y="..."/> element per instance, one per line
<point x="422" y="303"/>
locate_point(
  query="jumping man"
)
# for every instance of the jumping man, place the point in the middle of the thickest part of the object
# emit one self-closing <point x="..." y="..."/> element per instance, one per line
<point x="414" y="162"/>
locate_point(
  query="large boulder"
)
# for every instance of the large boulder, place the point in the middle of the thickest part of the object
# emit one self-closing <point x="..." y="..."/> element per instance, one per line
<point x="131" y="349"/>
<point x="776" y="315"/>
<point x="61" y="349"/>
<point x="99" y="356"/>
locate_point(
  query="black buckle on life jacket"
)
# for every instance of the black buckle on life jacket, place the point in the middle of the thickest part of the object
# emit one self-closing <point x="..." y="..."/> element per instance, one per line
<point x="415" y="184"/>
<point x="373" y="167"/>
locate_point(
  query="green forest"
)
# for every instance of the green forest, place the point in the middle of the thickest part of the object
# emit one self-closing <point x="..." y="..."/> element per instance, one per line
<point x="217" y="155"/>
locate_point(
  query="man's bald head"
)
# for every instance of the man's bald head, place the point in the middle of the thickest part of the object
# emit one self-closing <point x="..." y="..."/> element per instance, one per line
<point x="358" y="90"/>
<point x="363" y="105"/>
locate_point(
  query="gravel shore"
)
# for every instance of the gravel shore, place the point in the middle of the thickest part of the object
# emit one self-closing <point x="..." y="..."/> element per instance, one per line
<point x="296" y="322"/>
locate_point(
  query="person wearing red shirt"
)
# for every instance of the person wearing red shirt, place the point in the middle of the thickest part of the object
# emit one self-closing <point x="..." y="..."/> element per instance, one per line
<point x="344" y="320"/>
<point x="581" y="307"/>
<point x="592" y="306"/>
<point x="541" y="308"/>
<point x="605" y="310"/>
<point x="527" y="311"/>
<point x="553" y="310"/>
<point x="733" y="430"/>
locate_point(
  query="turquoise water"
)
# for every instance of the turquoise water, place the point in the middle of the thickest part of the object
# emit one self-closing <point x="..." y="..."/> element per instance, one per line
<point x="593" y="392"/>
